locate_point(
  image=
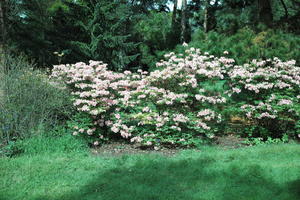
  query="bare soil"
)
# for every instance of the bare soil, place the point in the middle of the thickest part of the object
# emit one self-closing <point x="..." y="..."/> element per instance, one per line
<point x="230" y="142"/>
<point x="119" y="149"/>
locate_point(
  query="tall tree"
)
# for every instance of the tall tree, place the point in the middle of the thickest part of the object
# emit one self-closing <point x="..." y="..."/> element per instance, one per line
<point x="205" y="23"/>
<point x="265" y="12"/>
<point x="183" y="20"/>
<point x="3" y="29"/>
<point x="174" y="14"/>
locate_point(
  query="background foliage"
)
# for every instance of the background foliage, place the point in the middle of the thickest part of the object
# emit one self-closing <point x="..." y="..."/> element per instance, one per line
<point x="131" y="34"/>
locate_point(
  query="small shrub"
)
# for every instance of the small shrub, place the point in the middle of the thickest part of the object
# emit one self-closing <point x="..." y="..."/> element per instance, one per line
<point x="28" y="101"/>
<point x="82" y="125"/>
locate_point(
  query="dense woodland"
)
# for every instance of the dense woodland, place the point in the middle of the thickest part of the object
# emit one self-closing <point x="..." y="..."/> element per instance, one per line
<point x="134" y="34"/>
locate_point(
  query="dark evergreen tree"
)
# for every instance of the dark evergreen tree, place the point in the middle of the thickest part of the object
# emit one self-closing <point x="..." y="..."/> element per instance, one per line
<point x="108" y="26"/>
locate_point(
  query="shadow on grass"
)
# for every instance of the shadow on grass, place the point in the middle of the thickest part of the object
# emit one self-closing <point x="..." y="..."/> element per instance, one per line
<point x="183" y="180"/>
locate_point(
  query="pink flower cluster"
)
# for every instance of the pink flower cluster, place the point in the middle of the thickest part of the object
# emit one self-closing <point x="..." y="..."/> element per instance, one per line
<point x="93" y="85"/>
<point x="262" y="110"/>
<point x="96" y="91"/>
<point x="261" y="76"/>
<point x="262" y="80"/>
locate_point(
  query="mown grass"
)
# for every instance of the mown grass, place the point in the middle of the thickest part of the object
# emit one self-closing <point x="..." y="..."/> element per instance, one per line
<point x="262" y="172"/>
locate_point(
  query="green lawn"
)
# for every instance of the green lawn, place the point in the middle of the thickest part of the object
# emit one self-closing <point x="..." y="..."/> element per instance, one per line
<point x="262" y="172"/>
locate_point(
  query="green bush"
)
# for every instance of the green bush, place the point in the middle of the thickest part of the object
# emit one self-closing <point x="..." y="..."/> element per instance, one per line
<point x="28" y="102"/>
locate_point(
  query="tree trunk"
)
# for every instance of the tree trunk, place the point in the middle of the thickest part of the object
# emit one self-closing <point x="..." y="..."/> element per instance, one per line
<point x="174" y="13"/>
<point x="265" y="12"/>
<point x="2" y="24"/>
<point x="183" y="21"/>
<point x="205" y="24"/>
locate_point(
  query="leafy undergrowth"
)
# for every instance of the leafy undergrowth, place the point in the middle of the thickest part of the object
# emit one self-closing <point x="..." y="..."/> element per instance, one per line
<point x="261" y="172"/>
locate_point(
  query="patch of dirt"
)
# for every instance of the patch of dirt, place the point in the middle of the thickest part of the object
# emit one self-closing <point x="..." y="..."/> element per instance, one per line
<point x="119" y="149"/>
<point x="230" y="142"/>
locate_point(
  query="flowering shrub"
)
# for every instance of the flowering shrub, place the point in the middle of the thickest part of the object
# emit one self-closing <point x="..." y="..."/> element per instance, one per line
<point x="267" y="93"/>
<point x="96" y="91"/>
<point x="181" y="102"/>
<point x="173" y="105"/>
<point x="168" y="106"/>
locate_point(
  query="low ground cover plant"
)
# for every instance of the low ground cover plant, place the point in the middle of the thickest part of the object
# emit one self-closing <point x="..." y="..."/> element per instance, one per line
<point x="183" y="102"/>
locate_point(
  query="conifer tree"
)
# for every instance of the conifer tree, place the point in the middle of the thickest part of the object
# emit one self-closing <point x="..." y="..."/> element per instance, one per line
<point x="108" y="33"/>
